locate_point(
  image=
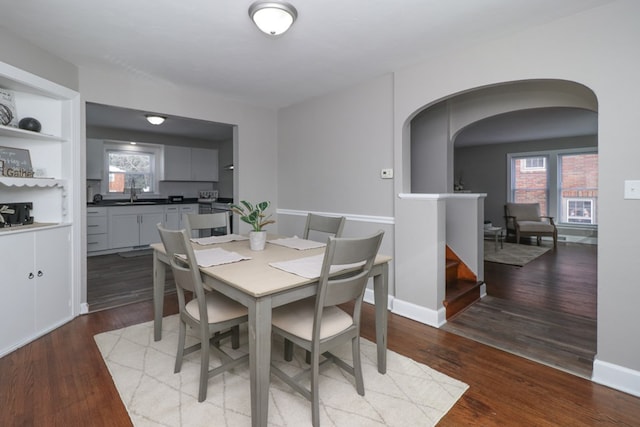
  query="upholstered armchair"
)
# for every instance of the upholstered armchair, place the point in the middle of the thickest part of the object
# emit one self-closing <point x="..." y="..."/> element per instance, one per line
<point x="524" y="220"/>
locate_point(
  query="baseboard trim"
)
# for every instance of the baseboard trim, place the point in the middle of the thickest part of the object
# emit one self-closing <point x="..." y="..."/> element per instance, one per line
<point x="616" y="376"/>
<point x="84" y="308"/>
<point x="435" y="318"/>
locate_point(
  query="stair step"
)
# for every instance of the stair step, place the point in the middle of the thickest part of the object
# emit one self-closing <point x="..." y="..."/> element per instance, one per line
<point x="451" y="270"/>
<point x="460" y="294"/>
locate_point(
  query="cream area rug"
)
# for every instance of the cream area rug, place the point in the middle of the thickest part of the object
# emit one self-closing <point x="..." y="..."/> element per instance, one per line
<point x="512" y="253"/>
<point x="409" y="394"/>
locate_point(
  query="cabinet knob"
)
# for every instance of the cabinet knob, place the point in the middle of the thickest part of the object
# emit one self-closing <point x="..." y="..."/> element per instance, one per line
<point x="40" y="273"/>
<point x="31" y="276"/>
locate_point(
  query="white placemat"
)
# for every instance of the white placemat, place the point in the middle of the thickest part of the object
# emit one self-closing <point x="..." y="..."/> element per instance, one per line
<point x="216" y="256"/>
<point x="297" y="243"/>
<point x="309" y="267"/>
<point x="218" y="239"/>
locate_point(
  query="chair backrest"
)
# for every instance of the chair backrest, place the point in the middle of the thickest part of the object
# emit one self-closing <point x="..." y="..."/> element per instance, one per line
<point x="324" y="224"/>
<point x="206" y="222"/>
<point x="350" y="285"/>
<point x="524" y="211"/>
<point x="183" y="264"/>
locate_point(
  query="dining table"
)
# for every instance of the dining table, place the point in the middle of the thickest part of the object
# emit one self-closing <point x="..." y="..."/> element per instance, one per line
<point x="256" y="283"/>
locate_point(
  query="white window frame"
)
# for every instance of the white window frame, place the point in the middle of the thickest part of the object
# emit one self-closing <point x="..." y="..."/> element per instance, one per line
<point x="526" y="167"/>
<point x="152" y="149"/>
<point x="553" y="181"/>
<point x="591" y="216"/>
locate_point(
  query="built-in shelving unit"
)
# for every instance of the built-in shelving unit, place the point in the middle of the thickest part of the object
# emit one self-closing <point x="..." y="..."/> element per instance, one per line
<point x="42" y="288"/>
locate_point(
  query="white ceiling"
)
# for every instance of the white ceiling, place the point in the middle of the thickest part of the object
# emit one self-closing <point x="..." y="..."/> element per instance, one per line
<point x="212" y="45"/>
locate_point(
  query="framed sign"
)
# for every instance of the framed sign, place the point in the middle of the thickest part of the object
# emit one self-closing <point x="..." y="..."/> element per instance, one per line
<point x="15" y="162"/>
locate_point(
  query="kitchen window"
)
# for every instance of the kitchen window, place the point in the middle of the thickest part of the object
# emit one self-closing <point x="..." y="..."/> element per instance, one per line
<point x="131" y="167"/>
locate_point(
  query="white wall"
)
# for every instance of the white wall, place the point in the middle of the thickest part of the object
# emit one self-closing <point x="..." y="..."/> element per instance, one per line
<point x="429" y="151"/>
<point x="597" y="48"/>
<point x="26" y="56"/>
<point x="331" y="150"/>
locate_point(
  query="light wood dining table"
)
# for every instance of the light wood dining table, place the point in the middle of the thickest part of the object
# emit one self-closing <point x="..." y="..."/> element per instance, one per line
<point x="261" y="287"/>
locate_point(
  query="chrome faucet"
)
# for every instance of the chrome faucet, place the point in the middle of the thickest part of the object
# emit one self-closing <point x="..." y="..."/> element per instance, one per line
<point x="132" y="193"/>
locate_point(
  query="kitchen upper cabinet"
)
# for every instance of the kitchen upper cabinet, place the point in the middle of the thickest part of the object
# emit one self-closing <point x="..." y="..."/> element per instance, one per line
<point x="204" y="164"/>
<point x="37" y="288"/>
<point x="190" y="164"/>
<point x="131" y="226"/>
<point x="177" y="163"/>
<point x="95" y="159"/>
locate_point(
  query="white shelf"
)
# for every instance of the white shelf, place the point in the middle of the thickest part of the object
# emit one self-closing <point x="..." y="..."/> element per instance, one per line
<point x="27" y="134"/>
<point x="32" y="182"/>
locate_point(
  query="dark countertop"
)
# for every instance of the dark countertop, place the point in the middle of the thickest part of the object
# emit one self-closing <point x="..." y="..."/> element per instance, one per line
<point x="147" y="202"/>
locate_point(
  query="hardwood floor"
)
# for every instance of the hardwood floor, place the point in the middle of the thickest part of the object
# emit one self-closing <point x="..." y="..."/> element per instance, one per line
<point x="61" y="379"/>
<point x="545" y="311"/>
<point x="113" y="280"/>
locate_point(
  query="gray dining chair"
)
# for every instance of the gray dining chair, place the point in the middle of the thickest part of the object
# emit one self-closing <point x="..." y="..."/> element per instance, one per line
<point x="323" y="224"/>
<point x="193" y="222"/>
<point x="212" y="315"/>
<point x="317" y="325"/>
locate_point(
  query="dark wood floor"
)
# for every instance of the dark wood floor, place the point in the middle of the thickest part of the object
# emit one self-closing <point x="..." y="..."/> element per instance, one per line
<point x="113" y="280"/>
<point x="545" y="311"/>
<point x="61" y="380"/>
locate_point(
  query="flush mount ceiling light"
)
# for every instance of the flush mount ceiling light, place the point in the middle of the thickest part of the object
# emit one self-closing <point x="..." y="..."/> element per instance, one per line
<point x="154" y="119"/>
<point x="273" y="17"/>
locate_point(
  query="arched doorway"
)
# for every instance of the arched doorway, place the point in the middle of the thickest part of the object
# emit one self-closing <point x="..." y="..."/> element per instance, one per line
<point x="481" y="126"/>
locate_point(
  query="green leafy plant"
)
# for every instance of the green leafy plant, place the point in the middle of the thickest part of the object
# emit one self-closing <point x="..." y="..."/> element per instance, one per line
<point x="253" y="215"/>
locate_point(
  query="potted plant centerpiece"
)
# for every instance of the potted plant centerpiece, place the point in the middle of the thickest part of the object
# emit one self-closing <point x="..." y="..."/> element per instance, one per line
<point x="255" y="216"/>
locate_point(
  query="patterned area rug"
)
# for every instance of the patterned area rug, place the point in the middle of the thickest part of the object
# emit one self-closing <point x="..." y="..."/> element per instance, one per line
<point x="410" y="394"/>
<point x="512" y="253"/>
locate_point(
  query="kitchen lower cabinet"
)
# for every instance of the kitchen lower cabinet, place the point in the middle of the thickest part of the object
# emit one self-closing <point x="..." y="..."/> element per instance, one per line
<point x="37" y="289"/>
<point x="173" y="217"/>
<point x="131" y="226"/>
<point x="97" y="230"/>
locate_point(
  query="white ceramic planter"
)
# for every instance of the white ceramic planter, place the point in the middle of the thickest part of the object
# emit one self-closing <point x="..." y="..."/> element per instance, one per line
<point x="257" y="240"/>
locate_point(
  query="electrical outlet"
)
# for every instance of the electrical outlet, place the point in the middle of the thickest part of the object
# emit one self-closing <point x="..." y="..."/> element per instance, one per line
<point x="386" y="173"/>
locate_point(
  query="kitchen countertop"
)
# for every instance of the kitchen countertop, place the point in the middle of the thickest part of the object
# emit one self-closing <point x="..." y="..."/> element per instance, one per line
<point x="142" y="202"/>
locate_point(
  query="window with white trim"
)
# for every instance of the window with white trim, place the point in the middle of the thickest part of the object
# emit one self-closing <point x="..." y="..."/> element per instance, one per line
<point x="564" y="182"/>
<point x="130" y="166"/>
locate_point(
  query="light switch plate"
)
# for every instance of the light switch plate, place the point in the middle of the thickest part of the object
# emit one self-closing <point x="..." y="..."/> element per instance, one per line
<point x="631" y="189"/>
<point x="386" y="173"/>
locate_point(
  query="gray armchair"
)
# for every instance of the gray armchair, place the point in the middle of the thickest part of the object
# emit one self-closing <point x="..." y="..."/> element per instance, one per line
<point x="524" y="220"/>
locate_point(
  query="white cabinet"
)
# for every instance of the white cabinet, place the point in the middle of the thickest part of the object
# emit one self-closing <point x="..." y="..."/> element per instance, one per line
<point x="190" y="164"/>
<point x="95" y="159"/>
<point x="131" y="226"/>
<point x="204" y="164"/>
<point x="36" y="289"/>
<point x="52" y="151"/>
<point x="177" y="163"/>
<point x="40" y="283"/>
<point x="97" y="229"/>
<point x="174" y="214"/>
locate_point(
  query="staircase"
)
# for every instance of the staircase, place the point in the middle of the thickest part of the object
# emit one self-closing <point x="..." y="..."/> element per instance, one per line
<point x="462" y="285"/>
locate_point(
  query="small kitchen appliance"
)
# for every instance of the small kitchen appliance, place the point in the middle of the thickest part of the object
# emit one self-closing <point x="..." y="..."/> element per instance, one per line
<point x="14" y="214"/>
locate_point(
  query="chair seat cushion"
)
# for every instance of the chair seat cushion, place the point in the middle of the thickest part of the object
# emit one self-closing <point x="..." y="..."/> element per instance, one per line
<point x="535" y="226"/>
<point x="219" y="308"/>
<point x="297" y="319"/>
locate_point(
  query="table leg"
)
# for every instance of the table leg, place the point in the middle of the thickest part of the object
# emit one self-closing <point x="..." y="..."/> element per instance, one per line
<point x="496" y="240"/>
<point x="159" y="277"/>
<point x="381" y="298"/>
<point x="260" y="359"/>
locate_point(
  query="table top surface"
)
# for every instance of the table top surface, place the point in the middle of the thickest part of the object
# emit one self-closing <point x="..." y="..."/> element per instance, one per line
<point x="492" y="229"/>
<point x="256" y="277"/>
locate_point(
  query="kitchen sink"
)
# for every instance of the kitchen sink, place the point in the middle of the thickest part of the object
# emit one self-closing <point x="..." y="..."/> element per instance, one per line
<point x="135" y="203"/>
